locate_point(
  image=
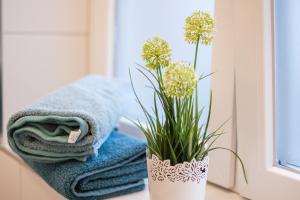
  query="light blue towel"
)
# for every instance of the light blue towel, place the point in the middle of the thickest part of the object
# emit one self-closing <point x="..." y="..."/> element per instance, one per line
<point x="70" y="123"/>
<point x="119" y="169"/>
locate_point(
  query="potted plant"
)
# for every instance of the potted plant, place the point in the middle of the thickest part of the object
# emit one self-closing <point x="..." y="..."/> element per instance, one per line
<point x="178" y="143"/>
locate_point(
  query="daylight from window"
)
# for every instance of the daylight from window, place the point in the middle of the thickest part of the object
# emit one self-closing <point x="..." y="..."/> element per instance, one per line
<point x="287" y="45"/>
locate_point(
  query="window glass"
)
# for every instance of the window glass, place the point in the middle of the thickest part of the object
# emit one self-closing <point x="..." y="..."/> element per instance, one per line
<point x="287" y="76"/>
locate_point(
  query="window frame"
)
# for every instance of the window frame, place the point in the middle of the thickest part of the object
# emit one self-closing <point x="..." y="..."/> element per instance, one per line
<point x="255" y="102"/>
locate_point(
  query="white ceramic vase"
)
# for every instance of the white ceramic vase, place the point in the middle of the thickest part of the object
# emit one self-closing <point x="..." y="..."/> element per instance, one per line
<point x="180" y="182"/>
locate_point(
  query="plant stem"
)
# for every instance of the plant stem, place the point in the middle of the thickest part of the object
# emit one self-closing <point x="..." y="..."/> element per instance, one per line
<point x="196" y="100"/>
<point x="196" y="55"/>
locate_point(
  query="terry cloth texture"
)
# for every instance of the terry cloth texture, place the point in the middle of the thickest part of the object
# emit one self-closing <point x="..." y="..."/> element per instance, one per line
<point x="119" y="168"/>
<point x="70" y="123"/>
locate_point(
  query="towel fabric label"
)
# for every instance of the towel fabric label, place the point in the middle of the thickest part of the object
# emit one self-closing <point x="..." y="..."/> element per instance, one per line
<point x="74" y="136"/>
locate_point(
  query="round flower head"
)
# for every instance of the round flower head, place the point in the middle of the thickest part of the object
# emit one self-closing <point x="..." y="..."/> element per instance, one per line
<point x="179" y="80"/>
<point x="156" y="52"/>
<point x="200" y="25"/>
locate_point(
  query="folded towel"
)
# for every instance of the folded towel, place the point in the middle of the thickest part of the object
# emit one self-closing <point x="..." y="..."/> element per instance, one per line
<point x="119" y="168"/>
<point x="70" y="123"/>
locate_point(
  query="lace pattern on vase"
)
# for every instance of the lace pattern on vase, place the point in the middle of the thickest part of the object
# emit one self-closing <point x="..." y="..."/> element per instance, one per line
<point x="193" y="171"/>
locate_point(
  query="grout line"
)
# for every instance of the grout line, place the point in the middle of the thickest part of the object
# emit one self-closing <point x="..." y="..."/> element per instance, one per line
<point x="88" y="35"/>
<point x="45" y="33"/>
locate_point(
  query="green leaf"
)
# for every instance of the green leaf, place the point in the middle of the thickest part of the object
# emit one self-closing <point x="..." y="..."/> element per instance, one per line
<point x="237" y="156"/>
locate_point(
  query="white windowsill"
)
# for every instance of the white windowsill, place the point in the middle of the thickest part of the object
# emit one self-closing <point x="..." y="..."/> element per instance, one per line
<point x="213" y="192"/>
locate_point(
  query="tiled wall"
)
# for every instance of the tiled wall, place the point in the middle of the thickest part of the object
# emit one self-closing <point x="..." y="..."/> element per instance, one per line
<point x="45" y="45"/>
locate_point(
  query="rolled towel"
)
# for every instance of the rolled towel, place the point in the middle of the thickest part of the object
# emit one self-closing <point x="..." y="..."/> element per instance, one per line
<point x="119" y="169"/>
<point x="70" y="123"/>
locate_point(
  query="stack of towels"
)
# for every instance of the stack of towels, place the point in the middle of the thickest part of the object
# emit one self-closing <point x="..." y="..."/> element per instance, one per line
<point x="69" y="139"/>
